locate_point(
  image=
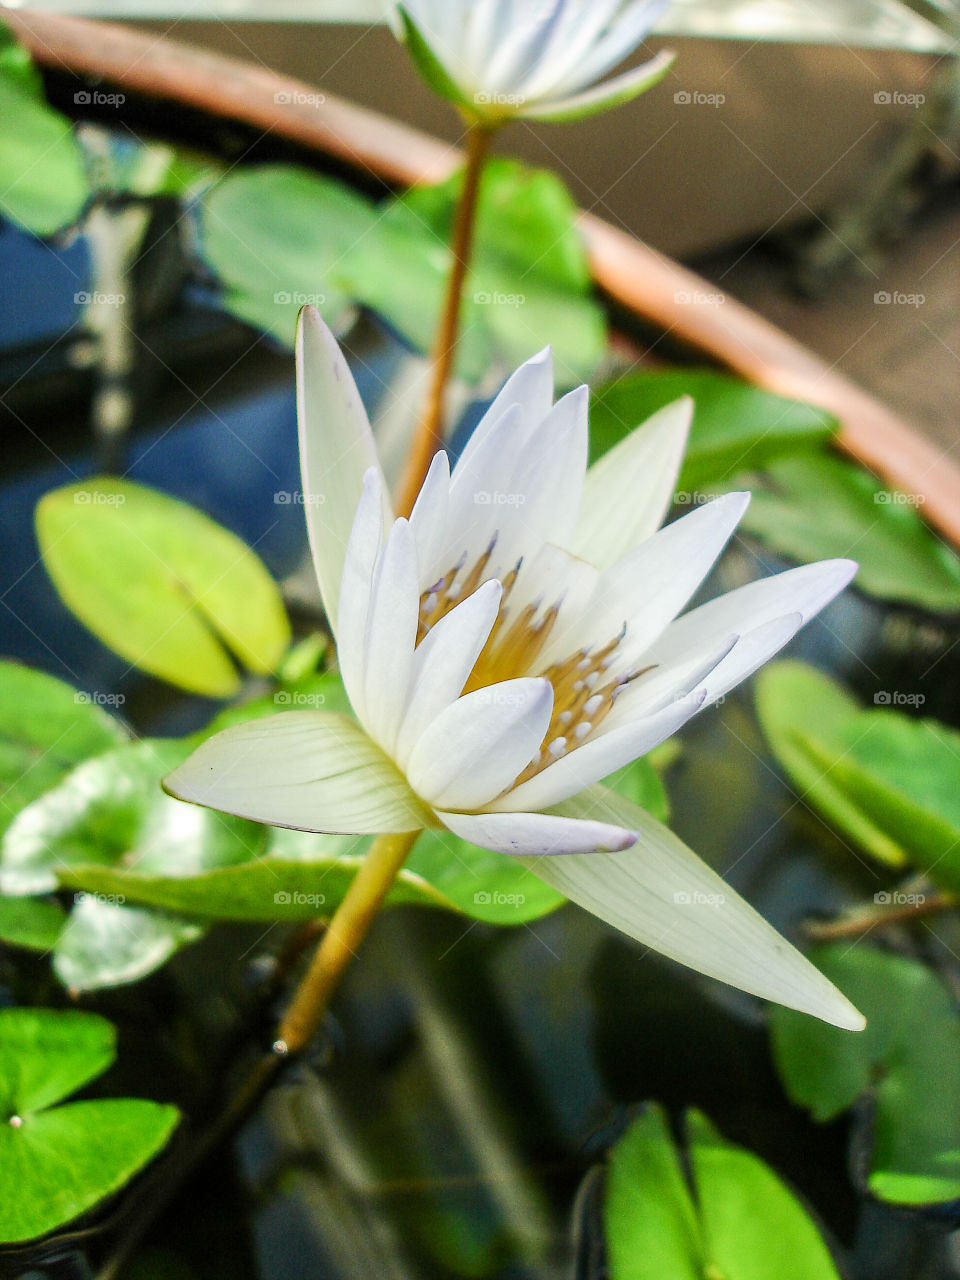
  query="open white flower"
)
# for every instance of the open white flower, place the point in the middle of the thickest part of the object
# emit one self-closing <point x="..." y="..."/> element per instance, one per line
<point x="510" y="645"/>
<point x="501" y="59"/>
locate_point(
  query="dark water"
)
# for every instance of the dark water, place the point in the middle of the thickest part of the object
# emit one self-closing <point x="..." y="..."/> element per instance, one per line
<point x="471" y="1077"/>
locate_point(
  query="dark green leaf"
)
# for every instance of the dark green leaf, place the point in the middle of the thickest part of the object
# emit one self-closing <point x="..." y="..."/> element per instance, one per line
<point x="63" y="1161"/>
<point x="818" y="506"/>
<point x="45" y="729"/>
<point x="529" y="285"/>
<point x="32" y="923"/>
<point x="43" y="182"/>
<point x="908" y="1060"/>
<point x="162" y="584"/>
<point x="736" y="426"/>
<point x="275" y="235"/>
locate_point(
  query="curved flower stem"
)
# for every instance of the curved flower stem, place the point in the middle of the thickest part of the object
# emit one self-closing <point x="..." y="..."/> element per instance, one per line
<point x="338" y="945"/>
<point x="429" y="433"/>
<point x="862" y="920"/>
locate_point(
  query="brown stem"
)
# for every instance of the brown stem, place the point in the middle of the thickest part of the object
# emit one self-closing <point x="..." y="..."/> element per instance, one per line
<point x="859" y="922"/>
<point x="338" y="946"/>
<point x="429" y="434"/>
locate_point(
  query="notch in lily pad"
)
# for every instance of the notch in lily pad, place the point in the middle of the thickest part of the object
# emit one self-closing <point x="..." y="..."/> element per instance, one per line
<point x="65" y="1159"/>
<point x="161" y="584"/>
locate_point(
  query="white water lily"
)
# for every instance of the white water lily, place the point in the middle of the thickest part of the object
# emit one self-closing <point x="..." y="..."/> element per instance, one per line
<point x="510" y="645"/>
<point x="539" y="59"/>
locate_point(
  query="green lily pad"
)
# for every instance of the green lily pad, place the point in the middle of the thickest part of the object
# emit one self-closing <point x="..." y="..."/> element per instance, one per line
<point x="817" y="506"/>
<point x="907" y="1062"/>
<point x="43" y="180"/>
<point x="736" y="426"/>
<point x="161" y="584"/>
<point x="734" y="1218"/>
<point x="275" y="235"/>
<point x="45" y="729"/>
<point x="63" y="1160"/>
<point x="886" y="780"/>
<point x="529" y="284"/>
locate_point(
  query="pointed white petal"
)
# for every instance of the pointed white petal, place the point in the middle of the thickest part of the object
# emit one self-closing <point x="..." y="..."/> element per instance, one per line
<point x="565" y="50"/>
<point x="480" y="744"/>
<point x="649" y="586"/>
<point x="391" y="636"/>
<point x="428" y="520"/>
<point x="656" y="689"/>
<point x="482" y="507"/>
<point x="631" y="26"/>
<point x="443" y="661"/>
<point x="660" y="893"/>
<point x="519" y="46"/>
<point x="336" y="450"/>
<point x="583" y="766"/>
<point x="310" y="770"/>
<point x="636" y="479"/>
<point x="805" y="590"/>
<point x="612" y="93"/>
<point x="536" y="835"/>
<point x="750" y="653"/>
<point x="363" y="549"/>
<point x="531" y="388"/>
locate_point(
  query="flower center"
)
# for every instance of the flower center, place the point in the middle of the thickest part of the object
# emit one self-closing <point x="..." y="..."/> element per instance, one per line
<point x="584" y="690"/>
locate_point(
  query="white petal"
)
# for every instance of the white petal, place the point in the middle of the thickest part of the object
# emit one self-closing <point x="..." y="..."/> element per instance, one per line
<point x="519" y="47"/>
<point x="649" y="586"/>
<point x="310" y="770"/>
<point x="363" y="549"/>
<point x="660" y="893"/>
<point x="482" y="506"/>
<point x="636" y="479"/>
<point x="428" y="520"/>
<point x="530" y="388"/>
<point x="547" y="485"/>
<point x="567" y="46"/>
<point x="663" y="685"/>
<point x="630" y="28"/>
<point x="443" y="661"/>
<point x="536" y="835"/>
<point x="597" y="759"/>
<point x="805" y="591"/>
<point x="391" y="636"/>
<point x="336" y="450"/>
<point x="605" y="96"/>
<point x="480" y="744"/>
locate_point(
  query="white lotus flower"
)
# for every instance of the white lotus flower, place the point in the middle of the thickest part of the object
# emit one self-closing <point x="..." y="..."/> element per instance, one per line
<point x="510" y="645"/>
<point x="502" y="59"/>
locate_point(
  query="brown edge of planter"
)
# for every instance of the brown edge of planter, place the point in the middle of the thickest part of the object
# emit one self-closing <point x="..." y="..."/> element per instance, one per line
<point x="636" y="276"/>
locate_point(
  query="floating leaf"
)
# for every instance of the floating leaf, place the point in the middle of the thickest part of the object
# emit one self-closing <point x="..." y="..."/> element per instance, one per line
<point x="907" y="1061"/>
<point x="275" y="235"/>
<point x="888" y="781"/>
<point x="65" y="1159"/>
<point x="107" y="944"/>
<point x="529" y="283"/>
<point x="162" y="584"/>
<point x="736" y="1219"/>
<point x="818" y="506"/>
<point x="32" y="923"/>
<point x="45" y="729"/>
<point x="43" y="182"/>
<point x="736" y="426"/>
